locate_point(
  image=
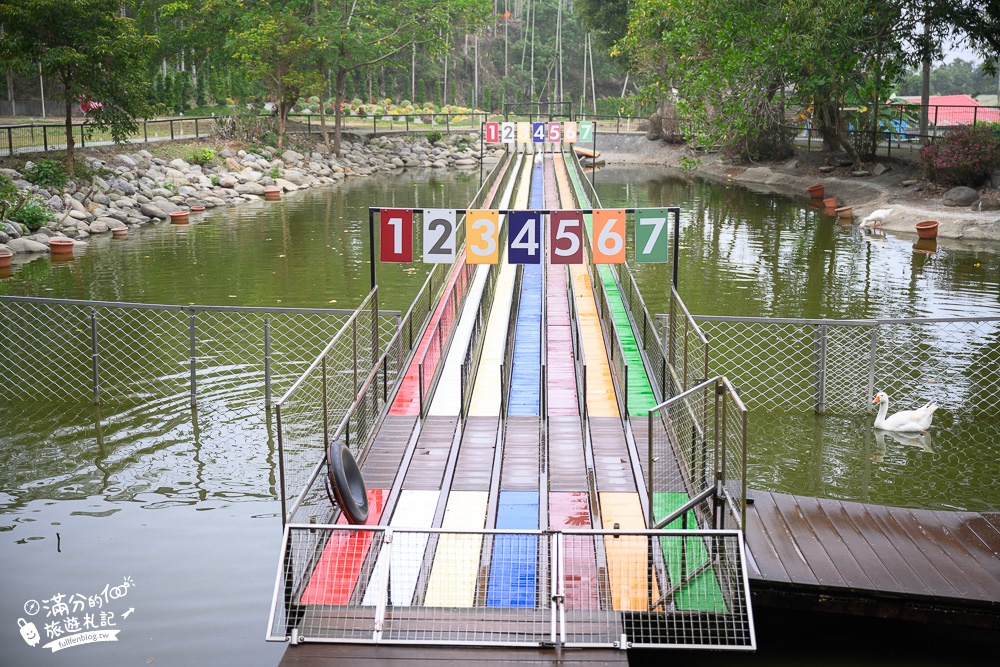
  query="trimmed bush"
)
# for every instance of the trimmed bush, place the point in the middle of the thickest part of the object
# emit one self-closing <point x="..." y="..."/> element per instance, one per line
<point x="964" y="155"/>
<point x="47" y="173"/>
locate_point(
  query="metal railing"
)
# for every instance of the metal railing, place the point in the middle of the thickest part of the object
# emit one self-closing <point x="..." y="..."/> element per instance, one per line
<point x="684" y="347"/>
<point x="45" y="137"/>
<point x="114" y="351"/>
<point x="796" y="365"/>
<point x="697" y="458"/>
<point x="378" y="585"/>
<point x="507" y="368"/>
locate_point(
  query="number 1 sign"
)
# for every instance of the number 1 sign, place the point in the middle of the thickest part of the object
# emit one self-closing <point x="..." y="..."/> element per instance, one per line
<point x="492" y="133"/>
<point x="396" y="235"/>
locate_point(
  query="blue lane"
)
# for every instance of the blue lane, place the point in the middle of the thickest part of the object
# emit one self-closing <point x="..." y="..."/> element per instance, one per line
<point x="513" y="563"/>
<point x="525" y="399"/>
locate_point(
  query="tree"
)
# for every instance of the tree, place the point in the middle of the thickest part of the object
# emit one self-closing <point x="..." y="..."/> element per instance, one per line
<point x="359" y="35"/>
<point x="96" y="54"/>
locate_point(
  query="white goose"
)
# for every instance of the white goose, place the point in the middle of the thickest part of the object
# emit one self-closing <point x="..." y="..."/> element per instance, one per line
<point x="905" y="420"/>
<point x="874" y="219"/>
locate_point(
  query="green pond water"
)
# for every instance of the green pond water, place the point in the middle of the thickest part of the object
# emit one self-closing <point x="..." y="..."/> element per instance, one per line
<point x="183" y="502"/>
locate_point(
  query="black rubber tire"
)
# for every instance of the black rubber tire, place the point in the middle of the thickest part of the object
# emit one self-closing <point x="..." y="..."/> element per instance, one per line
<point x="348" y="484"/>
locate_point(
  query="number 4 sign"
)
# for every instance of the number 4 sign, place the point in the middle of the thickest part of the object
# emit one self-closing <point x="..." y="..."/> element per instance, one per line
<point x="524" y="237"/>
<point x="396" y="235"/>
<point x="651" y="235"/>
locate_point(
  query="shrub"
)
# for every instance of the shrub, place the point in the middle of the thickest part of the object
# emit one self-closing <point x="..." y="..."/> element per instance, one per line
<point x="32" y="214"/>
<point x="276" y="172"/>
<point x="8" y="194"/>
<point x="47" y="173"/>
<point x="964" y="155"/>
<point x="434" y="136"/>
<point x="202" y="156"/>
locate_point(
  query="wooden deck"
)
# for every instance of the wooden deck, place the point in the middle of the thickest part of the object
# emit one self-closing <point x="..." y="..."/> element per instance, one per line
<point x="360" y="655"/>
<point x="836" y="556"/>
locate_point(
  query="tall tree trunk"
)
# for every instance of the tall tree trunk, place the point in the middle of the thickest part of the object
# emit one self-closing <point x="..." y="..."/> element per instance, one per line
<point x="338" y="111"/>
<point x="69" y="131"/>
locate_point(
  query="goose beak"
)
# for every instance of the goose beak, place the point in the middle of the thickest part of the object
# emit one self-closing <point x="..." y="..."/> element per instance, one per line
<point x="876" y="400"/>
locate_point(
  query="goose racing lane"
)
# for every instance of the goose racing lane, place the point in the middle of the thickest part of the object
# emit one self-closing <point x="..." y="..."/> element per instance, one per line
<point x="348" y="485"/>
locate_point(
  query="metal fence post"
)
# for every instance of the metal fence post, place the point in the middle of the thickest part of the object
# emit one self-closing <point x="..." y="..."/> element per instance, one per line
<point x="94" y="356"/>
<point x="267" y="362"/>
<point x="819" y="353"/>
<point x="171" y="129"/>
<point x="45" y="138"/>
<point x="872" y="349"/>
<point x="10" y="141"/>
<point x="194" y="365"/>
<point x="145" y="131"/>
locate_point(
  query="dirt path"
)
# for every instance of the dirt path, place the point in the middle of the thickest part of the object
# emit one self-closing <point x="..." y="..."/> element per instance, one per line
<point x="909" y="203"/>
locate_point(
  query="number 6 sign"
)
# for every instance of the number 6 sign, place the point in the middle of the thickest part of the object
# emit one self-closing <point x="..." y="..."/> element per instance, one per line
<point x="609" y="236"/>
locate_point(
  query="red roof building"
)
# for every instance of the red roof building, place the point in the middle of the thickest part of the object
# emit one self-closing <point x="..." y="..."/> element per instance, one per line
<point x="949" y="110"/>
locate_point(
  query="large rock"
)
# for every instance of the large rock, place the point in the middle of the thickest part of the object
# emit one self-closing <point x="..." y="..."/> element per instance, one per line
<point x="26" y="246"/>
<point x="987" y="203"/>
<point x="960" y="196"/>
<point x="126" y="160"/>
<point x="99" y="226"/>
<point x="250" y="189"/>
<point x="287" y="186"/>
<point x="153" y="211"/>
<point x="292" y="156"/>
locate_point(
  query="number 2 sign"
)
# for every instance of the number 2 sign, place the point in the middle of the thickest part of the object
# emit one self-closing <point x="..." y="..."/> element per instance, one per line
<point x="439" y="235"/>
<point x="396" y="235"/>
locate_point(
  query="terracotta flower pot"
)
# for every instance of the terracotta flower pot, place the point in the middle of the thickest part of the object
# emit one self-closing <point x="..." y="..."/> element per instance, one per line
<point x="272" y="194"/>
<point x="119" y="232"/>
<point x="60" y="245"/>
<point x="846" y="212"/>
<point x="179" y="217"/>
<point x="830" y="202"/>
<point x="197" y="208"/>
<point x="927" y="229"/>
<point x="816" y="191"/>
<point x="5" y="258"/>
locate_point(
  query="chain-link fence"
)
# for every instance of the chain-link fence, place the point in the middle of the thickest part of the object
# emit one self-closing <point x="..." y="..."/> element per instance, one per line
<point x="109" y="351"/>
<point x="829" y="366"/>
<point x="512" y="588"/>
<point x="696" y="439"/>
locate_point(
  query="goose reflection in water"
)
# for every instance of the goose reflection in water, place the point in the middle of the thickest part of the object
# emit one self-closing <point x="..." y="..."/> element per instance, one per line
<point x="920" y="440"/>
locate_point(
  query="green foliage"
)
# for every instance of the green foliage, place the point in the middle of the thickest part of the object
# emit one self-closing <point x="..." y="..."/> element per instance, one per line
<point x="964" y="155"/>
<point x="47" y="173"/>
<point x="32" y="214"/>
<point x="276" y="172"/>
<point x="8" y="193"/>
<point x="201" y="156"/>
<point x="687" y="163"/>
<point x="954" y="78"/>
<point x="434" y="136"/>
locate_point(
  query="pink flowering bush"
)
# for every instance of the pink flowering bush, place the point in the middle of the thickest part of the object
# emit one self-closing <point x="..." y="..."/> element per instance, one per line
<point x="964" y="155"/>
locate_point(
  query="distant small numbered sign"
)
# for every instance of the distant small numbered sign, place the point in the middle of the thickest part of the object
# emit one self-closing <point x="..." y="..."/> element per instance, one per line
<point x="538" y="132"/>
<point x="609" y="236"/>
<point x="508" y="132"/>
<point x="439" y="235"/>
<point x="586" y="131"/>
<point x="566" y="232"/>
<point x="524" y="237"/>
<point x="651" y="243"/>
<point x="482" y="237"/>
<point x="571" y="132"/>
<point x="554" y="135"/>
<point x="396" y="235"/>
<point x="524" y="132"/>
<point x="492" y="133"/>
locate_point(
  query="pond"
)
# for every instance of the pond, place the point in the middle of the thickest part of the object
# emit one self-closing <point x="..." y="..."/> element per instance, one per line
<point x="175" y="509"/>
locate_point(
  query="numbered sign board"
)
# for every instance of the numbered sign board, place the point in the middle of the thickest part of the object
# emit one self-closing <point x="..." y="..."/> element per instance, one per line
<point x="524" y="133"/>
<point x="609" y="236"/>
<point x="508" y="132"/>
<point x="571" y="132"/>
<point x="524" y="237"/>
<point x="566" y="232"/>
<point x="439" y="235"/>
<point x="396" y="235"/>
<point x="482" y="237"/>
<point x="554" y="135"/>
<point x="586" y="130"/>
<point x="651" y="243"/>
<point x="538" y="132"/>
<point x="492" y="133"/>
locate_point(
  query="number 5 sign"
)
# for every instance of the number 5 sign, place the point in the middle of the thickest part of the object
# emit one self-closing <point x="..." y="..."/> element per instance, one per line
<point x="609" y="236"/>
<point x="396" y="235"/>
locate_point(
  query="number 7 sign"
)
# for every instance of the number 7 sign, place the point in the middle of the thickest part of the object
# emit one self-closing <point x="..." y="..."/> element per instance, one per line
<point x="651" y="235"/>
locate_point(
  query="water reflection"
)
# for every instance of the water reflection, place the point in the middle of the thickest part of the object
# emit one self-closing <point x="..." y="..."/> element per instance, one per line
<point x="920" y="440"/>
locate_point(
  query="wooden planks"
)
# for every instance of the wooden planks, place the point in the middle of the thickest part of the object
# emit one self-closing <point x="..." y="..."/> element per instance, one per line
<point x="873" y="550"/>
<point x="362" y="655"/>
